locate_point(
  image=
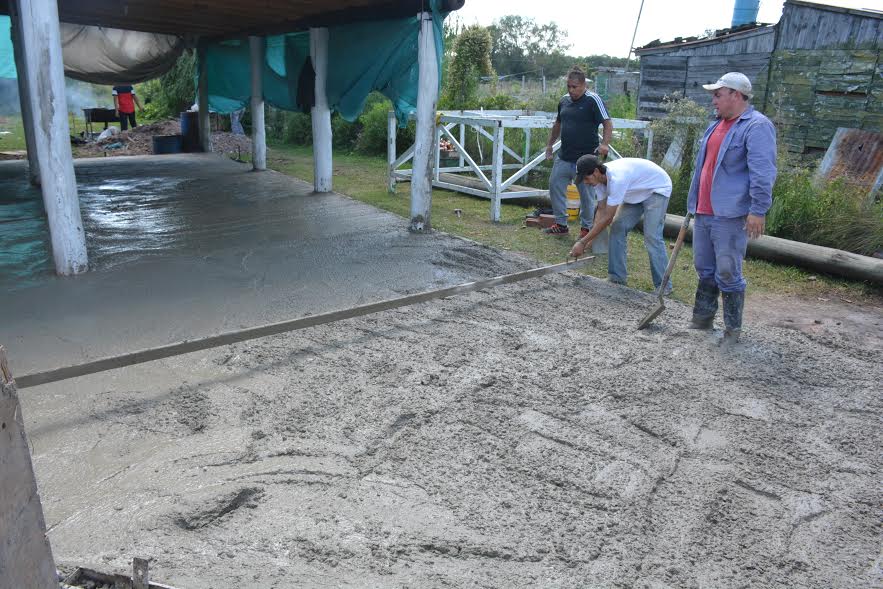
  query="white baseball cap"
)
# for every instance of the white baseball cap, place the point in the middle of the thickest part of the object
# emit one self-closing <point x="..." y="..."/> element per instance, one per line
<point x="734" y="80"/>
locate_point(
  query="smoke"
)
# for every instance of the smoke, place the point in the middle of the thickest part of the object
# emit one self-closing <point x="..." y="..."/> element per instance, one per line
<point x="79" y="95"/>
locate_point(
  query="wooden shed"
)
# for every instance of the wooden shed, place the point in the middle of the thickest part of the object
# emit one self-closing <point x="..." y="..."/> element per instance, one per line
<point x="816" y="70"/>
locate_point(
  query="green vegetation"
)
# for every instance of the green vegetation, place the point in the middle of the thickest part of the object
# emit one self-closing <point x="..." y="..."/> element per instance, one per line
<point x="171" y="93"/>
<point x="364" y="178"/>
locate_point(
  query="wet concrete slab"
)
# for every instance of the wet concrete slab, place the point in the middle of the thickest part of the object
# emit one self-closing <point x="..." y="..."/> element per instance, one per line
<point x="189" y="245"/>
<point x="462" y="443"/>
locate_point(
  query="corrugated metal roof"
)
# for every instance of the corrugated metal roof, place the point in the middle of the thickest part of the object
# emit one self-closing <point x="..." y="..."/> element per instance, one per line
<point x="856" y="156"/>
<point x="719" y="36"/>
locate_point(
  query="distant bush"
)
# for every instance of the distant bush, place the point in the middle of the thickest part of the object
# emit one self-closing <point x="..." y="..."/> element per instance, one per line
<point x="344" y="134"/>
<point x="297" y="128"/>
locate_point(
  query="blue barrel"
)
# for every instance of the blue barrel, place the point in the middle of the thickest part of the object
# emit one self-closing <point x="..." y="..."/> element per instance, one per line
<point x="190" y="131"/>
<point x="167" y="144"/>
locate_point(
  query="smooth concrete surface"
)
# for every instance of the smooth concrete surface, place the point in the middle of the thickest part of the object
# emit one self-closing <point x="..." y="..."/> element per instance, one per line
<point x="184" y="246"/>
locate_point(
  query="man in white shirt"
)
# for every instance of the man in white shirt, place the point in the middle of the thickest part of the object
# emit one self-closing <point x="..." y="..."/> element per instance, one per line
<point x="638" y="187"/>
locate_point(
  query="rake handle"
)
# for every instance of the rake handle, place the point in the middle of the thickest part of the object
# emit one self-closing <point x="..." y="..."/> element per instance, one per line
<point x="679" y="243"/>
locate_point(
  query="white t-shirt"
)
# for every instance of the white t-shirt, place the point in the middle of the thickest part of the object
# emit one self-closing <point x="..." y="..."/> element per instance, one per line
<point x="633" y="180"/>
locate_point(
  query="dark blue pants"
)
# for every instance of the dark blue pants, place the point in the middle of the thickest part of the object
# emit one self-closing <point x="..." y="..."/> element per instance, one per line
<point x="719" y="246"/>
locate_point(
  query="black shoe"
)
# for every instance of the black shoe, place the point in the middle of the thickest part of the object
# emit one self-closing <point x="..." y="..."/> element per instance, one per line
<point x="557" y="229"/>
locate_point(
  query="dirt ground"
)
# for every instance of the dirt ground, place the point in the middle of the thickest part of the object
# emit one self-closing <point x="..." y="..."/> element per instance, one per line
<point x="527" y="436"/>
<point x="468" y="442"/>
<point x="139" y="141"/>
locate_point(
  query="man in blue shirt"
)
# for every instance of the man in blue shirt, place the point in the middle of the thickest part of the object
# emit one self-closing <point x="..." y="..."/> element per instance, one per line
<point x="730" y="194"/>
<point x="579" y="114"/>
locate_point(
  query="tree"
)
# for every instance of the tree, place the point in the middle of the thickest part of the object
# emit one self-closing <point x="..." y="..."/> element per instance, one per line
<point x="471" y="59"/>
<point x="522" y="45"/>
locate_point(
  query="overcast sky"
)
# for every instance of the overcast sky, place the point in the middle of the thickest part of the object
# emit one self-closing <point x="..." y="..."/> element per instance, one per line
<point x="595" y="27"/>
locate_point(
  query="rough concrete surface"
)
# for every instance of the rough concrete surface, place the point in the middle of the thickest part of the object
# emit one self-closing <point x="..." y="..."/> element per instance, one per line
<point x="523" y="436"/>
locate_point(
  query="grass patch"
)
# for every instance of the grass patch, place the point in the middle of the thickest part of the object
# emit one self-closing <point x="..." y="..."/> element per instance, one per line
<point x="364" y="178"/>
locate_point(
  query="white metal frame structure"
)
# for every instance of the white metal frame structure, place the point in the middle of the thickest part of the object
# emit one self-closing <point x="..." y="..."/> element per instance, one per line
<point x="491" y="124"/>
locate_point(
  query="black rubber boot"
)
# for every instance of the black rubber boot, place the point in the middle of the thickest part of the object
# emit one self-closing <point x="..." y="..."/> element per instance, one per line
<point x="733" y="304"/>
<point x="705" y="307"/>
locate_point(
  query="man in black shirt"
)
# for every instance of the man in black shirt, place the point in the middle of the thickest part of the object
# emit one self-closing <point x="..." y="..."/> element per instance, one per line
<point x="579" y="114"/>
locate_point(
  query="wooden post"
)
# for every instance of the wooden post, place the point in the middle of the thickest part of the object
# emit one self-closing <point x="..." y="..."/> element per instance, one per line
<point x="24" y="99"/>
<point x="427" y="97"/>
<point x="43" y="70"/>
<point x="391" y="129"/>
<point x="438" y="138"/>
<point x="462" y="142"/>
<point x="526" y="145"/>
<point x="497" y="174"/>
<point x="205" y="130"/>
<point x="25" y="555"/>
<point x="258" y="127"/>
<point x="649" y="142"/>
<point x="321" y="113"/>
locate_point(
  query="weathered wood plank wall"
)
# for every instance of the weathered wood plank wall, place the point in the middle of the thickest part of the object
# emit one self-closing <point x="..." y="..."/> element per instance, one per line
<point x="683" y="70"/>
<point x="820" y="68"/>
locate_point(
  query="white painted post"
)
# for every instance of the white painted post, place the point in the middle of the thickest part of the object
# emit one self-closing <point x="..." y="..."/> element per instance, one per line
<point x="27" y="117"/>
<point x="462" y="142"/>
<point x="205" y="130"/>
<point x="649" y="142"/>
<point x="427" y="98"/>
<point x="25" y="555"/>
<point x="526" y="145"/>
<point x="44" y="74"/>
<point x="258" y="126"/>
<point x="497" y="173"/>
<point x="544" y="84"/>
<point x="438" y="138"/>
<point x="321" y="113"/>
<point x="391" y="129"/>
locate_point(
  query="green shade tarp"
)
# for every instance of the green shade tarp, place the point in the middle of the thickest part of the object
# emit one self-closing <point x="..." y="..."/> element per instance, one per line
<point x="7" y="59"/>
<point x="362" y="57"/>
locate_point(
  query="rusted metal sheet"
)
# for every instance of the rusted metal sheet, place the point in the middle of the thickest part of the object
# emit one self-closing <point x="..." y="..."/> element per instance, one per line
<point x="856" y="156"/>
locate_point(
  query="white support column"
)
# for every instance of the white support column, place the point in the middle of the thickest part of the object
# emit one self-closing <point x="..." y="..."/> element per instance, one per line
<point x="391" y="129"/>
<point x="321" y="113"/>
<point x="24" y="99"/>
<point x="258" y="127"/>
<point x="205" y="129"/>
<point x="427" y="98"/>
<point x="44" y="75"/>
<point x="497" y="172"/>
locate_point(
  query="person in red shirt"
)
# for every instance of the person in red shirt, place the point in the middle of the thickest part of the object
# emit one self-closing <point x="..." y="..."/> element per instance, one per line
<point x="124" y="101"/>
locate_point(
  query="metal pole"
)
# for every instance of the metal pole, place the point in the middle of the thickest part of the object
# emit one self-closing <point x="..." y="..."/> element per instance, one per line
<point x="635" y="34"/>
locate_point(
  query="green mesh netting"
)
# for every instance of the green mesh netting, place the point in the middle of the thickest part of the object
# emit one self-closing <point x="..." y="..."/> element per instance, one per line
<point x="7" y="60"/>
<point x="362" y="57"/>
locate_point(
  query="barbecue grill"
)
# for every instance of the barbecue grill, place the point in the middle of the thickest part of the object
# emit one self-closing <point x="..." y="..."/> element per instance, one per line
<point x="99" y="115"/>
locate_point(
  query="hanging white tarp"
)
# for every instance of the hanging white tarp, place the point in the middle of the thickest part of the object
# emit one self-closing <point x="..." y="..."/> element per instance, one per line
<point x="114" y="56"/>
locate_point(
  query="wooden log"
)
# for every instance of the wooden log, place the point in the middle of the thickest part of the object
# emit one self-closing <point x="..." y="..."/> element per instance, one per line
<point x="25" y="555"/>
<point x="258" y="126"/>
<point x="321" y="113"/>
<point x="804" y="255"/>
<point x="427" y="98"/>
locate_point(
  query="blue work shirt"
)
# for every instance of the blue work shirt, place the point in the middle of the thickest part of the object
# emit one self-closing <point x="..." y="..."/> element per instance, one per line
<point x="745" y="170"/>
